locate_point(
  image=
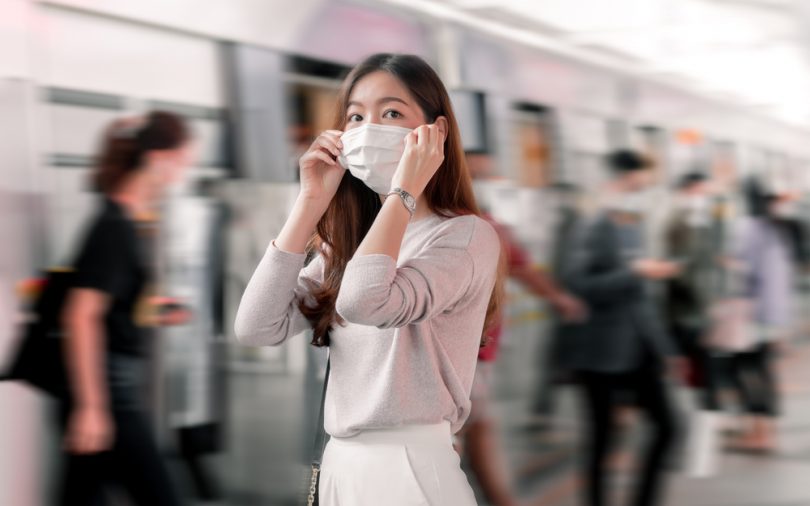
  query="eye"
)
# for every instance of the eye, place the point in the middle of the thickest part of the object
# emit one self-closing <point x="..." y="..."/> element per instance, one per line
<point x="392" y="114"/>
<point x="355" y="117"/>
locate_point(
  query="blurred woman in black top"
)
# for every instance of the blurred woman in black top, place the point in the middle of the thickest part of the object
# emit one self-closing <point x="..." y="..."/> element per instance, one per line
<point x="107" y="436"/>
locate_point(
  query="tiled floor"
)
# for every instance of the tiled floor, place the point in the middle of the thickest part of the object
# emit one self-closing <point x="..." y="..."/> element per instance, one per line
<point x="270" y="428"/>
<point x="546" y="466"/>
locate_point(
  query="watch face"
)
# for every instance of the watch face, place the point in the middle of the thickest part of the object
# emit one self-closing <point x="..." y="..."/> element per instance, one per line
<point x="410" y="200"/>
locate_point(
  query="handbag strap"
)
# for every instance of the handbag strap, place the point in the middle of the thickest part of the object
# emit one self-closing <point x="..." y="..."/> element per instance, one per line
<point x="320" y="437"/>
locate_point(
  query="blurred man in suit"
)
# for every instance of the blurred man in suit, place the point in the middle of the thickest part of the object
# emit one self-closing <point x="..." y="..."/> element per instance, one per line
<point x="622" y="348"/>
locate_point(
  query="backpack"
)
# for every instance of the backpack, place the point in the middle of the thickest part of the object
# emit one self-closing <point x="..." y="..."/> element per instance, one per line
<point x="39" y="357"/>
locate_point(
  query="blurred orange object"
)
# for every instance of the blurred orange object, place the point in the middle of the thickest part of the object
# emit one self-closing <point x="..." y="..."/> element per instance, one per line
<point x="29" y="289"/>
<point x="689" y="136"/>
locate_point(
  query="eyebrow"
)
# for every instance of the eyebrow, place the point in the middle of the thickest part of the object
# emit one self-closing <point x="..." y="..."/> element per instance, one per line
<point x="381" y="101"/>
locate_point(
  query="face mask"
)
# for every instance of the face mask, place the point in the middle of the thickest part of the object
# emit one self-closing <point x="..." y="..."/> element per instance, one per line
<point x="372" y="153"/>
<point x="633" y="202"/>
<point x="697" y="209"/>
<point x="784" y="210"/>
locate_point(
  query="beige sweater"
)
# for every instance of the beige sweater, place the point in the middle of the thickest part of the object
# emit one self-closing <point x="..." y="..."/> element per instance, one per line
<point x="407" y="352"/>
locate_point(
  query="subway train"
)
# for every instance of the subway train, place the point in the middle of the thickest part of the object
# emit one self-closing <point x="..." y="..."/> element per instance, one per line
<point x="257" y="80"/>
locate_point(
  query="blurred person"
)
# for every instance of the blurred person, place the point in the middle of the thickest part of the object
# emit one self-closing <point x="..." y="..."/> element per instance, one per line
<point x="539" y="282"/>
<point x="691" y="241"/>
<point x="480" y="436"/>
<point x="567" y="200"/>
<point x="765" y="248"/>
<point x="404" y="281"/>
<point x="622" y="348"/>
<point x="108" y="438"/>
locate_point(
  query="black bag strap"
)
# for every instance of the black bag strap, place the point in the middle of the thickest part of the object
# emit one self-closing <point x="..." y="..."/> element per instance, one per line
<point x="320" y="438"/>
<point x="319" y="446"/>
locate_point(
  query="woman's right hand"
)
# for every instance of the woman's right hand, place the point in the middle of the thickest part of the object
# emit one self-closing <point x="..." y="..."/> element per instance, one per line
<point x="320" y="171"/>
<point x="90" y="430"/>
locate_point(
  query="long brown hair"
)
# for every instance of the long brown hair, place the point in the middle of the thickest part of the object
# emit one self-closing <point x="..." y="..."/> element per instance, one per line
<point x="354" y="207"/>
<point x="127" y="141"/>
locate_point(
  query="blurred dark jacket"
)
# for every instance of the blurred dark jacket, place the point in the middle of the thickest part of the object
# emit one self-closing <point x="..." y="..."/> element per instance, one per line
<point x="624" y="328"/>
<point x="564" y="236"/>
<point x="696" y="248"/>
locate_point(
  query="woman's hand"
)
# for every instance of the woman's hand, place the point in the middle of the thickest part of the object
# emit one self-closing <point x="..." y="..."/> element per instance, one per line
<point x="90" y="430"/>
<point x="320" y="172"/>
<point x="424" y="153"/>
<point x="320" y="178"/>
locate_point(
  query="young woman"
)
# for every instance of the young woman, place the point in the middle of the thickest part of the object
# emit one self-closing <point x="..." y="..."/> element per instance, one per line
<point x="765" y="246"/>
<point x="107" y="436"/>
<point x="399" y="292"/>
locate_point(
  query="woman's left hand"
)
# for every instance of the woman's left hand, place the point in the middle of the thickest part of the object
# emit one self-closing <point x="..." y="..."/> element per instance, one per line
<point x="424" y="154"/>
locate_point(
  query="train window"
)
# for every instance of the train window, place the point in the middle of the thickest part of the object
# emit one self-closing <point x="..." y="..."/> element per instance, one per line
<point x="77" y="117"/>
<point x="470" y="110"/>
<point x="312" y="87"/>
<point x="724" y="165"/>
<point x="303" y="66"/>
<point x="618" y="134"/>
<point x="689" y="152"/>
<point x="586" y="140"/>
<point x="534" y="150"/>
<point x="210" y="130"/>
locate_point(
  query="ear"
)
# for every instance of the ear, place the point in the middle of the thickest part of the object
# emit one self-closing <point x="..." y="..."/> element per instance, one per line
<point x="441" y="122"/>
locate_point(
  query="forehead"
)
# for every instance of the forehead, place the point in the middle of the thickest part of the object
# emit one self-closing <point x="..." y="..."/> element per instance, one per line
<point x="377" y="85"/>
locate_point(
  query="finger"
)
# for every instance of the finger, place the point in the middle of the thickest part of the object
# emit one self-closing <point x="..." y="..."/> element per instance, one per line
<point x="422" y="135"/>
<point x="411" y="139"/>
<point x="328" y="144"/>
<point x="334" y="136"/>
<point x="318" y="154"/>
<point x="335" y="139"/>
<point x="434" y="135"/>
<point x="319" y="142"/>
<point x="438" y="139"/>
<point x="324" y="157"/>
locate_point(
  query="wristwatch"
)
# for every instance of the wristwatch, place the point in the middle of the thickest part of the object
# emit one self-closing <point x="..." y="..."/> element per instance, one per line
<point x="407" y="199"/>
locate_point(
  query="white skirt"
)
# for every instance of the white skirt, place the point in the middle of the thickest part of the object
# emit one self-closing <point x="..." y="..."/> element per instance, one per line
<point x="407" y="466"/>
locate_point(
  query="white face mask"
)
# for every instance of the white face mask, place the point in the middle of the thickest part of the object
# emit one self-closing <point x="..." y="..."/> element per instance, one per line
<point x="631" y="202"/>
<point x="697" y="209"/>
<point x="372" y="153"/>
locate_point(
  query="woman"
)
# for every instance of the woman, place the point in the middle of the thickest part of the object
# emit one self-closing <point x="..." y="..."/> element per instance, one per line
<point x="108" y="438"/>
<point x="765" y="247"/>
<point x="399" y="292"/>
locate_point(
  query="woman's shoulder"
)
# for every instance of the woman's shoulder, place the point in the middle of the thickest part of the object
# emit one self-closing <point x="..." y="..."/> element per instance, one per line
<point x="106" y="227"/>
<point x="468" y="232"/>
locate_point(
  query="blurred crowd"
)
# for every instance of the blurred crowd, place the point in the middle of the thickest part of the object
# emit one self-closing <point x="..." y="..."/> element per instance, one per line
<point x="711" y="312"/>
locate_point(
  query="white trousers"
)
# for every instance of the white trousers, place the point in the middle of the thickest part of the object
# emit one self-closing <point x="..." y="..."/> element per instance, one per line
<point x="407" y="466"/>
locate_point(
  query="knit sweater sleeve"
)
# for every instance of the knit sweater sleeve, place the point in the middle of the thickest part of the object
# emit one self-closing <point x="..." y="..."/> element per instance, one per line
<point x="268" y="313"/>
<point x="378" y="292"/>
